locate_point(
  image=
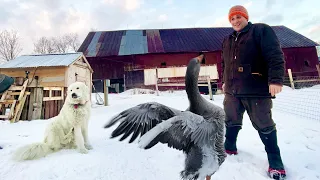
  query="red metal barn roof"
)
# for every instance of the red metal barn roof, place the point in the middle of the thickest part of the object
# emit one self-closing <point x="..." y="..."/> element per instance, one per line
<point x="129" y="42"/>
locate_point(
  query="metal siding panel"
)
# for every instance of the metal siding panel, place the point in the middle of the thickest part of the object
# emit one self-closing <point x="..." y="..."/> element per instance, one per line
<point x="110" y="44"/>
<point x="122" y="46"/>
<point x="132" y="43"/>
<point x="42" y="60"/>
<point x="85" y="44"/>
<point x="175" y="40"/>
<point x="154" y="41"/>
<point x="92" y="48"/>
<point x="145" y="44"/>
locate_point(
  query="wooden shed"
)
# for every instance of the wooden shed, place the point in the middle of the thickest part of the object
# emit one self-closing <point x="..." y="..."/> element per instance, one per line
<point x="46" y="78"/>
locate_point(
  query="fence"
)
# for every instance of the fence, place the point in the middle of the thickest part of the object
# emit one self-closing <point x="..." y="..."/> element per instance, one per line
<point x="301" y="96"/>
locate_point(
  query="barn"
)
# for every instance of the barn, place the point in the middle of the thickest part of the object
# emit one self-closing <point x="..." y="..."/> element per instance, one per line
<point x="130" y="58"/>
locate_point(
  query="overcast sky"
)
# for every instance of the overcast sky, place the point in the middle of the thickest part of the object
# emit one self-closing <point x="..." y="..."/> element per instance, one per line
<point x="35" y="18"/>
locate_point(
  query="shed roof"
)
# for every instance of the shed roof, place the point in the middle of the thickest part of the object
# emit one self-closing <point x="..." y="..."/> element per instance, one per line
<point x="43" y="60"/>
<point x="129" y="42"/>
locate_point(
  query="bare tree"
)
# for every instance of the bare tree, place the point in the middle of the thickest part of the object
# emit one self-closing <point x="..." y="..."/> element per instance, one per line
<point x="9" y="45"/>
<point x="44" y="46"/>
<point x="59" y="44"/>
<point x="73" y="41"/>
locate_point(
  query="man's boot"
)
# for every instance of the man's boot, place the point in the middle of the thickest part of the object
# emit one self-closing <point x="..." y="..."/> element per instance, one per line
<point x="276" y="169"/>
<point x="231" y="140"/>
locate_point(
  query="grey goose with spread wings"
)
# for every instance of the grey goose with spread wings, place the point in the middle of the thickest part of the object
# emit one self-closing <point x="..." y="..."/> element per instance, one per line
<point x="197" y="131"/>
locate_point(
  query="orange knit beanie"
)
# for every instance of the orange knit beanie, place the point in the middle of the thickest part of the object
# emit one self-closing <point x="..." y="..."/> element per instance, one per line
<point x="238" y="10"/>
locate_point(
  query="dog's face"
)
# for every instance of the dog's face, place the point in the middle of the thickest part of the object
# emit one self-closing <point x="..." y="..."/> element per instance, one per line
<point x="78" y="93"/>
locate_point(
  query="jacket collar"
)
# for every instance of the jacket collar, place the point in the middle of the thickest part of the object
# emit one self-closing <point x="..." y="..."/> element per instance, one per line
<point x="245" y="29"/>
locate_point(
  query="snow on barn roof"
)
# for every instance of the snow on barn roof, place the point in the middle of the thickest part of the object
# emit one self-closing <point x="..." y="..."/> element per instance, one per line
<point x="42" y="60"/>
<point x="128" y="42"/>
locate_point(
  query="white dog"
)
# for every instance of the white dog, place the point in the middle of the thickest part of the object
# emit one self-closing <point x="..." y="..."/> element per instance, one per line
<point x="69" y="129"/>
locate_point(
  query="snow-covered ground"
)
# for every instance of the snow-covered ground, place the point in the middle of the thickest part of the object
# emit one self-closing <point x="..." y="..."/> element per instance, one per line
<point x="113" y="160"/>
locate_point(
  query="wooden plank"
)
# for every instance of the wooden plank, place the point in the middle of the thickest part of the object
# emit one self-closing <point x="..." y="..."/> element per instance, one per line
<point x="291" y="79"/>
<point x="178" y="84"/>
<point x="52" y="84"/>
<point x="51" y="106"/>
<point x="52" y="98"/>
<point x="52" y="79"/>
<point x="50" y="94"/>
<point x="307" y="80"/>
<point x="47" y="106"/>
<point x="7" y="101"/>
<point x="13" y="93"/>
<point x="56" y="110"/>
<point x="62" y="93"/>
<point x="18" y="109"/>
<point x="31" y="102"/>
<point x="3" y="97"/>
<point x="4" y="116"/>
<point x="25" y="84"/>
<point x="37" y="108"/>
<point x="24" y="115"/>
<point x="11" y="113"/>
<point x="15" y="88"/>
<point x="53" y="88"/>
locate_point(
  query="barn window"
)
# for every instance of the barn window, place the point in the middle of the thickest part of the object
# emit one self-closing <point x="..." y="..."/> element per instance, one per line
<point x="306" y="63"/>
<point x="163" y="64"/>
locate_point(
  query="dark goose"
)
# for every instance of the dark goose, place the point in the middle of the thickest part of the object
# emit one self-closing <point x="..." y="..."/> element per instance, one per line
<point x="197" y="131"/>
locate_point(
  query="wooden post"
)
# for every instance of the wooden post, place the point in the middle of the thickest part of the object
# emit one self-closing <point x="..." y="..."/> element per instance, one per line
<point x="209" y="87"/>
<point x="291" y="79"/>
<point x="157" y="89"/>
<point x="124" y="83"/>
<point x="106" y="83"/>
<point x="318" y="68"/>
<point x="35" y="104"/>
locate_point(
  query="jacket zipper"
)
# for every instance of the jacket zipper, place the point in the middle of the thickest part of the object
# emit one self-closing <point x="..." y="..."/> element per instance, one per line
<point x="236" y="38"/>
<point x="235" y="56"/>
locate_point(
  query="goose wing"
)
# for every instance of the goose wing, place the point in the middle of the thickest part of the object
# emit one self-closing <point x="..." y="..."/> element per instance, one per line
<point x="140" y="119"/>
<point x="181" y="132"/>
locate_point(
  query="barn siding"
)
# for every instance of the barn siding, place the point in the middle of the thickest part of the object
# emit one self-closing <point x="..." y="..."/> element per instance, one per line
<point x="113" y="67"/>
<point x="295" y="60"/>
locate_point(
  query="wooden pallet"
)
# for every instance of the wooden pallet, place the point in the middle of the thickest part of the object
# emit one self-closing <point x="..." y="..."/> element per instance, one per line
<point x="15" y="98"/>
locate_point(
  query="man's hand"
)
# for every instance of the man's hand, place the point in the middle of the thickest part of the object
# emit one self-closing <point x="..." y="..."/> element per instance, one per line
<point x="275" y="89"/>
<point x="223" y="87"/>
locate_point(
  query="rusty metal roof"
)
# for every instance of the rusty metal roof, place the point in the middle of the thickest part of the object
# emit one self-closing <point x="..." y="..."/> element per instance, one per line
<point x="42" y="60"/>
<point x="129" y="42"/>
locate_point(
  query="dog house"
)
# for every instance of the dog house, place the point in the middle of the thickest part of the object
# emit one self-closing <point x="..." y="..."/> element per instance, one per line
<point x="45" y="78"/>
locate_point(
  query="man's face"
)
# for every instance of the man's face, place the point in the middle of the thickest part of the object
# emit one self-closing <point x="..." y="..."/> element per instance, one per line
<point x="238" y="22"/>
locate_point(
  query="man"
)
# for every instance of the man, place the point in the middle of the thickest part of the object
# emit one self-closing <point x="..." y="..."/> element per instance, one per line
<point x="253" y="73"/>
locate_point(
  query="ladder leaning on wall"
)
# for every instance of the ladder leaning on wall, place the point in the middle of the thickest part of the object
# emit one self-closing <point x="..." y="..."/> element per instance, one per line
<point x="13" y="99"/>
